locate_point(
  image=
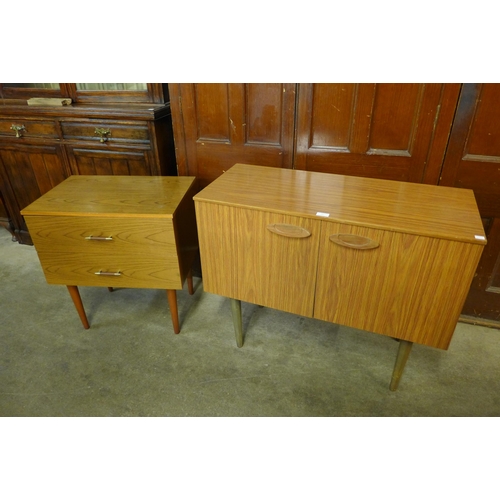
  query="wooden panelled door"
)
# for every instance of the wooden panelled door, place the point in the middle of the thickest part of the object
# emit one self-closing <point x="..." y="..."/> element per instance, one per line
<point x="394" y="131"/>
<point x="435" y="133"/>
<point x="217" y="125"/>
<point x="473" y="161"/>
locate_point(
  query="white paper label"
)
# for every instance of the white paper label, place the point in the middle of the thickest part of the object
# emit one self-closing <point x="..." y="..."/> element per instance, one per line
<point x="322" y="214"/>
<point x="479" y="237"/>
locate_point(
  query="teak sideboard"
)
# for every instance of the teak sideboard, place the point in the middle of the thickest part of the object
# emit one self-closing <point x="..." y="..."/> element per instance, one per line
<point x="117" y="231"/>
<point x="389" y="257"/>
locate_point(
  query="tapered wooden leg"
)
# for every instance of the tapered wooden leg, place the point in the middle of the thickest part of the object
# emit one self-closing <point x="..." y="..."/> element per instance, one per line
<point x="403" y="353"/>
<point x="172" y="302"/>
<point x="110" y="288"/>
<point x="190" y="282"/>
<point x="77" y="300"/>
<point x="237" y="321"/>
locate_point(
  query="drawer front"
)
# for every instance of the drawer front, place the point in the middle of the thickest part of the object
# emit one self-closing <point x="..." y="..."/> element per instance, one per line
<point x="111" y="132"/>
<point x="90" y="235"/>
<point x="406" y="286"/>
<point x="18" y="127"/>
<point x="106" y="269"/>
<point x="259" y="257"/>
<point x="73" y="249"/>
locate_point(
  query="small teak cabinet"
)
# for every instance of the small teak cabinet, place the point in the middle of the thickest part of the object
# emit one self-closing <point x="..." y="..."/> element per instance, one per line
<point x="389" y="257"/>
<point x="102" y="132"/>
<point x="116" y="231"/>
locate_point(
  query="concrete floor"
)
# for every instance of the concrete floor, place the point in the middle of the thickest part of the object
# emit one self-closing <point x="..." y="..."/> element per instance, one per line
<point x="130" y="363"/>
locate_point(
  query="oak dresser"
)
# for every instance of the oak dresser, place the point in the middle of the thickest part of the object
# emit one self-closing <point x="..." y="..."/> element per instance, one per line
<point x="116" y="231"/>
<point x="389" y="257"/>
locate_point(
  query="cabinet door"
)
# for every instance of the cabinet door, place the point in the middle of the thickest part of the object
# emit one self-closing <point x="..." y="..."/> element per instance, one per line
<point x="473" y="161"/>
<point x="409" y="287"/>
<point x="27" y="171"/>
<point x="217" y="125"/>
<point x="241" y="258"/>
<point x="388" y="131"/>
<point x="106" y="161"/>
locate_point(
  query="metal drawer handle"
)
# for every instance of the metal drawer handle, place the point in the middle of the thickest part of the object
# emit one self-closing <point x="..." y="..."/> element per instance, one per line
<point x="18" y="129"/>
<point x="353" y="241"/>
<point x="99" y="238"/>
<point x="289" y="230"/>
<point x="103" y="133"/>
<point x="106" y="273"/>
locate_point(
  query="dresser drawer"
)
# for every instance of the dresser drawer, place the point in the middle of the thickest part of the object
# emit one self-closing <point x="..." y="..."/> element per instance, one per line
<point x="142" y="251"/>
<point x="134" y="270"/>
<point x="102" y="235"/>
<point x="28" y="128"/>
<point x="108" y="131"/>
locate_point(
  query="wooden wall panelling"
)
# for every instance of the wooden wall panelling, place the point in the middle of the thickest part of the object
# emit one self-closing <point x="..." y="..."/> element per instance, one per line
<point x="473" y="161"/>
<point x="217" y="125"/>
<point x="374" y="130"/>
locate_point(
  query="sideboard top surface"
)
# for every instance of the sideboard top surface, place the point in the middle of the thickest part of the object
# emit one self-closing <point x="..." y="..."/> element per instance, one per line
<point x="435" y="211"/>
<point x="111" y="195"/>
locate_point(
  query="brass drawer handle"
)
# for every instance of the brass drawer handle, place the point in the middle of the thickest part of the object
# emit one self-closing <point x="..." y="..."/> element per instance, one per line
<point x="289" y="230"/>
<point x="103" y="133"/>
<point x="353" y="241"/>
<point x="18" y="129"/>
<point x="99" y="238"/>
<point x="106" y="273"/>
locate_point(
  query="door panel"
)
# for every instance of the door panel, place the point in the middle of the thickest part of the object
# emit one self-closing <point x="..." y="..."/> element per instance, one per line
<point x="244" y="260"/>
<point x="473" y="161"/>
<point x="373" y="130"/>
<point x="27" y="171"/>
<point x="109" y="162"/>
<point x="217" y="125"/>
<point x="397" y="288"/>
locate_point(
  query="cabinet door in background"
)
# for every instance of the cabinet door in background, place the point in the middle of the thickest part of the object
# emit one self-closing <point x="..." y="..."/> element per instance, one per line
<point x="26" y="172"/>
<point x="218" y="124"/>
<point x="389" y="131"/>
<point x="95" y="161"/>
<point x="473" y="161"/>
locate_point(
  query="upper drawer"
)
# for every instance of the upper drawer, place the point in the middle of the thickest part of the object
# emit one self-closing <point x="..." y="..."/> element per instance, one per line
<point x="101" y="235"/>
<point x="106" y="131"/>
<point x="18" y="127"/>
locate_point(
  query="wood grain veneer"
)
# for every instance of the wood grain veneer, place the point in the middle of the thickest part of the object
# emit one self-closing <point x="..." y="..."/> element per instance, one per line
<point x="409" y="282"/>
<point x="242" y="259"/>
<point x="138" y="231"/>
<point x="421" y="209"/>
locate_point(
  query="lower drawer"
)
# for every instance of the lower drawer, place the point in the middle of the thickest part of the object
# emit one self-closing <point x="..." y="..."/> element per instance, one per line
<point x="110" y="270"/>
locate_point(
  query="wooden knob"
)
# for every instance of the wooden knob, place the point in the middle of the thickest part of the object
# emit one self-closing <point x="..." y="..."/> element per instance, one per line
<point x="289" y="230"/>
<point x="353" y="241"/>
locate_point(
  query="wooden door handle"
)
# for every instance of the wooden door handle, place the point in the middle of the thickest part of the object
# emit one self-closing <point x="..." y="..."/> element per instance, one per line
<point x="289" y="230"/>
<point x="353" y="241"/>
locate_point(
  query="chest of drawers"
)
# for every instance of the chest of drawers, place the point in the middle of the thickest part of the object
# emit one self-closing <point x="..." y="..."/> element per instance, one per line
<point x="116" y="231"/>
<point x="387" y="257"/>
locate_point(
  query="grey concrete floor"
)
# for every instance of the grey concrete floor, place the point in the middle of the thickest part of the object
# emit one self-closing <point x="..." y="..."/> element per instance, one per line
<point x="130" y="363"/>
